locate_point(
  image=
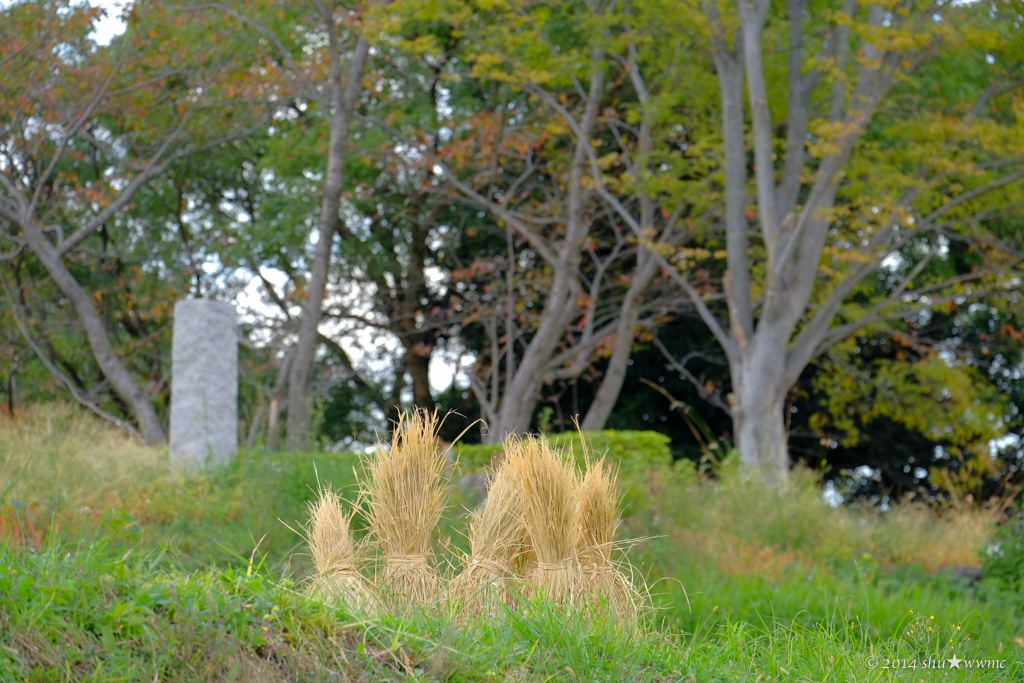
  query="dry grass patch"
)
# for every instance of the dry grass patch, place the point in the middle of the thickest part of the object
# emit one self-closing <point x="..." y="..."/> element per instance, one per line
<point x="58" y="453"/>
<point x="912" y="533"/>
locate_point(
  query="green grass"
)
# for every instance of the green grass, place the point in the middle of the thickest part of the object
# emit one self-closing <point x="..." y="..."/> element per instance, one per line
<point x="90" y="613"/>
<point x="130" y="574"/>
<point x="737" y="552"/>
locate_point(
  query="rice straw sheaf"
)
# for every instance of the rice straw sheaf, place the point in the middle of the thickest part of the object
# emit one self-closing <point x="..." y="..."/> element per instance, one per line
<point x="404" y="492"/>
<point x="547" y="484"/>
<point x="496" y="540"/>
<point x="334" y="554"/>
<point x="602" y="580"/>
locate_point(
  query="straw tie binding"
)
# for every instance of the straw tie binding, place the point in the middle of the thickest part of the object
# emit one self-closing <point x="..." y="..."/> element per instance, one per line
<point x="398" y="560"/>
<point x="487" y="564"/>
<point x="547" y="566"/>
<point x="339" y="567"/>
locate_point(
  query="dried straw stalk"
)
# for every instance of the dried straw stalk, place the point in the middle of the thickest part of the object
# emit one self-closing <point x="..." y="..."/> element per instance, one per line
<point x="404" y="493"/>
<point x="497" y="539"/>
<point x="547" y="484"/>
<point x="334" y="554"/>
<point x="602" y="580"/>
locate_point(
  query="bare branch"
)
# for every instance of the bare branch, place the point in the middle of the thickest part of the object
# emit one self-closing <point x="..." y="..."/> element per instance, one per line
<point x="878" y="312"/>
<point x="809" y="339"/>
<point x="705" y="313"/>
<point x="486" y="406"/>
<point x="798" y="116"/>
<point x="7" y="214"/>
<point x="994" y="90"/>
<point x="70" y="133"/>
<point x="972" y="194"/>
<point x="753" y="17"/>
<point x="842" y="53"/>
<point x="680" y="366"/>
<point x="151" y="171"/>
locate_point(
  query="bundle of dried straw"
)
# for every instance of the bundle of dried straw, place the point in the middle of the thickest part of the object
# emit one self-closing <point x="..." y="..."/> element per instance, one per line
<point x="334" y="553"/>
<point x="602" y="580"/>
<point x="547" y="484"/>
<point x="497" y="540"/>
<point x="404" y="493"/>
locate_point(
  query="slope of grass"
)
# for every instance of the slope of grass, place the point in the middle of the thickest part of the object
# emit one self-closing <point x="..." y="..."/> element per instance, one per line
<point x="736" y="551"/>
<point x="92" y="614"/>
<point x="747" y="583"/>
<point x="56" y="454"/>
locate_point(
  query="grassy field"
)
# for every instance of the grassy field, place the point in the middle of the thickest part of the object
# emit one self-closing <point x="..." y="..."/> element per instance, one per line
<point x="112" y="570"/>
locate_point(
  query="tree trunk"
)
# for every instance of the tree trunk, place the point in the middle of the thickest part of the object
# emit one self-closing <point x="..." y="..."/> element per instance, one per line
<point x="256" y="425"/>
<point x="343" y="103"/>
<point x="758" y="402"/>
<point x="393" y="408"/>
<point x="417" y="341"/>
<point x="417" y="364"/>
<point x="99" y="340"/>
<point x="277" y="397"/>
<point x="625" y="334"/>
<point x="516" y="413"/>
<point x="761" y="439"/>
<point x="523" y="391"/>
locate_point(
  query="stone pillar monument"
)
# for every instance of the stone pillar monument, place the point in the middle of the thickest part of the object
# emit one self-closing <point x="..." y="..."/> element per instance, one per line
<point x="204" y="384"/>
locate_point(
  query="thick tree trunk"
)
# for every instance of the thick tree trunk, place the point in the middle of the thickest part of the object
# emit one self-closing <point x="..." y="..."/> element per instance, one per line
<point x="758" y="402"/>
<point x="99" y="340"/>
<point x="762" y="441"/>
<point x="515" y="416"/>
<point x="343" y="103"/>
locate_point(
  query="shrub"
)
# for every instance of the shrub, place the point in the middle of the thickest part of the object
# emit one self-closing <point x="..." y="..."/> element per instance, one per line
<point x="635" y="454"/>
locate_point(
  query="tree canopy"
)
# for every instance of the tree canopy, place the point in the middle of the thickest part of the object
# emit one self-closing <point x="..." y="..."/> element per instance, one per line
<point x="791" y="228"/>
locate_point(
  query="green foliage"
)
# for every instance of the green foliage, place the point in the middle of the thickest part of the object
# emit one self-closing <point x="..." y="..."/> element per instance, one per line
<point x="490" y="87"/>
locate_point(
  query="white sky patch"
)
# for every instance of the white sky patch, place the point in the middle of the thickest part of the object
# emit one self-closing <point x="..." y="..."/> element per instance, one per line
<point x="892" y="262"/>
<point x="362" y="344"/>
<point x="1003" y="443"/>
<point x="110" y="25"/>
